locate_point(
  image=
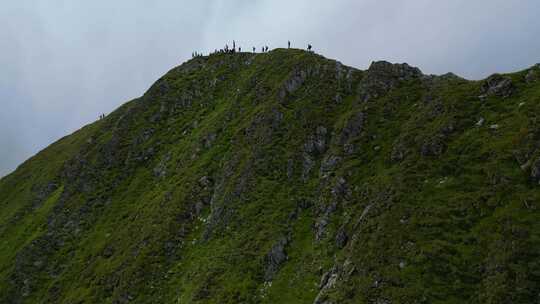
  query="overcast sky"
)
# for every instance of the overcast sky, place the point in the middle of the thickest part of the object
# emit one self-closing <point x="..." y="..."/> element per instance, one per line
<point x="62" y="63"/>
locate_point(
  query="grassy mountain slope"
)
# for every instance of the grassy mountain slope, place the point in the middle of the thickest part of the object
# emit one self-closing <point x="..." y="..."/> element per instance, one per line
<point x="285" y="177"/>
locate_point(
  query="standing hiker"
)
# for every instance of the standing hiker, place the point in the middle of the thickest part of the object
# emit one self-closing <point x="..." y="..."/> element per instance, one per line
<point x="289" y="44"/>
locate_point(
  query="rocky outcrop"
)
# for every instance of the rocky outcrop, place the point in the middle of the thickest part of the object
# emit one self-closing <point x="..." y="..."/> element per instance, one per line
<point x="497" y="85"/>
<point x="293" y="83"/>
<point x="535" y="171"/>
<point x="275" y="257"/>
<point x="353" y="128"/>
<point x="339" y="273"/>
<point x="533" y="74"/>
<point x="382" y="76"/>
<point x="314" y="146"/>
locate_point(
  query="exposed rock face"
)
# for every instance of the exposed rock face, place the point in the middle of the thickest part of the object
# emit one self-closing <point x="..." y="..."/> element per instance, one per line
<point x="535" y="171"/>
<point x="295" y="81"/>
<point x="353" y="128"/>
<point x="314" y="146"/>
<point x="331" y="279"/>
<point x="497" y="85"/>
<point x="341" y="238"/>
<point x="275" y="258"/>
<point x="383" y="76"/>
<point x="316" y="143"/>
<point x="329" y="164"/>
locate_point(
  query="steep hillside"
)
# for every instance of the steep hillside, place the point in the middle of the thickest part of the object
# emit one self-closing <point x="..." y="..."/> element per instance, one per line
<point x="285" y="177"/>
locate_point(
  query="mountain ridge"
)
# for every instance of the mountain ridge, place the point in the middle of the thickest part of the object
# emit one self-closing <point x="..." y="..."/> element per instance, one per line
<point x="285" y="177"/>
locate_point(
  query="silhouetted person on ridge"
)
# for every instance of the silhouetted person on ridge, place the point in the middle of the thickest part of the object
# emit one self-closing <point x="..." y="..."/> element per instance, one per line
<point x="239" y="49"/>
<point x="254" y="50"/>
<point x="289" y="44"/>
<point x="309" y="47"/>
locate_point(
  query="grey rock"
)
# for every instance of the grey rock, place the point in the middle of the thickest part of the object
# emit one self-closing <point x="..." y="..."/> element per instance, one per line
<point x="433" y="147"/>
<point x="535" y="171"/>
<point x="353" y="128"/>
<point x="382" y="76"/>
<point x="320" y="227"/>
<point x="275" y="258"/>
<point x="328" y="282"/>
<point x="328" y="164"/>
<point x="293" y="83"/>
<point x="338" y="98"/>
<point x="199" y="206"/>
<point x="532" y="76"/>
<point x="340" y="190"/>
<point x="480" y="122"/>
<point x="205" y="181"/>
<point x="307" y="165"/>
<point x="330" y="279"/>
<point x="160" y="170"/>
<point x="497" y="85"/>
<point x="290" y="168"/>
<point x="341" y="238"/>
<point x="316" y="143"/>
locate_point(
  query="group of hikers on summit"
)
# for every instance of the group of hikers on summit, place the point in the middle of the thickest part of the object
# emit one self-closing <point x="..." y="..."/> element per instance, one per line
<point x="228" y="50"/>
